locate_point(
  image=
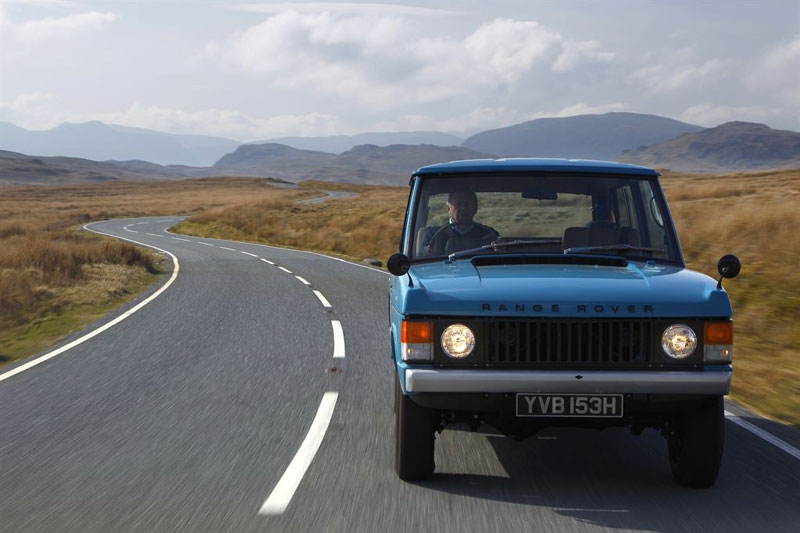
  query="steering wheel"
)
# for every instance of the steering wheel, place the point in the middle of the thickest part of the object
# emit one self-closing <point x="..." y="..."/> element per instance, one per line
<point x="439" y="232"/>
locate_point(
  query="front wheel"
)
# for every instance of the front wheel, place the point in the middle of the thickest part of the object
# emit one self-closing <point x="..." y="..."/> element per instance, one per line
<point x="415" y="429"/>
<point x="695" y="447"/>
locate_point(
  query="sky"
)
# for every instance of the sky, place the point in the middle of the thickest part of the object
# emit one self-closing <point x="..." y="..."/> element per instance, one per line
<point x="257" y="70"/>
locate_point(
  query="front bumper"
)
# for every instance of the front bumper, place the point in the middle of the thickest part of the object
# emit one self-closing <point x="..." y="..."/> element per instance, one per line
<point x="703" y="382"/>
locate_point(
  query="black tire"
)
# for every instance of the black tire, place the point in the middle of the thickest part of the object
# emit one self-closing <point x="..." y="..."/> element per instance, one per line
<point x="415" y="429"/>
<point x="695" y="447"/>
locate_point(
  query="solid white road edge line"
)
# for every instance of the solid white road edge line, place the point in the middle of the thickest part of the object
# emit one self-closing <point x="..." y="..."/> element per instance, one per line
<point x="282" y="494"/>
<point x="285" y="270"/>
<point x="267" y="261"/>
<point x="338" y="339"/>
<point x="766" y="435"/>
<point x="303" y="280"/>
<point x="248" y="253"/>
<point x="104" y="327"/>
<point x="322" y="299"/>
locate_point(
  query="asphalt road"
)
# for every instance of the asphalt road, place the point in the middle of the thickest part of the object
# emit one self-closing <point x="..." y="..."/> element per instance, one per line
<point x="187" y="414"/>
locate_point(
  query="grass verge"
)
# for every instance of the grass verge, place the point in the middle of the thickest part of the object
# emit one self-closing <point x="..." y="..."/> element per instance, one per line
<point x="753" y="215"/>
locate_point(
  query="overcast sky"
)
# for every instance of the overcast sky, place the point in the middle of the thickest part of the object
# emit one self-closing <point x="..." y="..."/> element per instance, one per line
<point x="255" y="70"/>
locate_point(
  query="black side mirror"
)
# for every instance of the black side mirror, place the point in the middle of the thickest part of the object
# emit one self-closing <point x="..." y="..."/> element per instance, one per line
<point x="728" y="266"/>
<point x="398" y="264"/>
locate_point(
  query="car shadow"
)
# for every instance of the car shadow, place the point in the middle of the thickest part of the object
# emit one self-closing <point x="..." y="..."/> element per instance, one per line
<point x="606" y="478"/>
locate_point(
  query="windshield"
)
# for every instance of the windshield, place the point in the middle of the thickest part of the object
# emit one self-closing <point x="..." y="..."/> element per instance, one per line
<point x="541" y="213"/>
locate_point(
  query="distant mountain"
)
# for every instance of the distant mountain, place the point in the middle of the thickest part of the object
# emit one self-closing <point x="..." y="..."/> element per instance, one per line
<point x="21" y="169"/>
<point x="273" y="156"/>
<point x="582" y="136"/>
<point x="337" y="144"/>
<point x="363" y="164"/>
<point x="730" y="146"/>
<point x="100" y="142"/>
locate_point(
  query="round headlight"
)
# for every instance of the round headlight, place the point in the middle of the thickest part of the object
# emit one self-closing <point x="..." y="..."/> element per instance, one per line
<point x="458" y="341"/>
<point x="679" y="341"/>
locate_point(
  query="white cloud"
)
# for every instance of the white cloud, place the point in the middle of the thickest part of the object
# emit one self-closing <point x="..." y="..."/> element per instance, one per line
<point x="37" y="30"/>
<point x="340" y="7"/>
<point x="386" y="60"/>
<point x="224" y="122"/>
<point x="26" y="101"/>
<point x="509" y="48"/>
<point x="709" y="115"/>
<point x="575" y="52"/>
<point x="678" y="70"/>
<point x="775" y="76"/>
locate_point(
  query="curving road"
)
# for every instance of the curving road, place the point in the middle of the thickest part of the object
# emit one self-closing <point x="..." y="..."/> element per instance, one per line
<point x="234" y="402"/>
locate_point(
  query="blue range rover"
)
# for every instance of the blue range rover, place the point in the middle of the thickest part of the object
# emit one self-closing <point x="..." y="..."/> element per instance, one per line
<point x="540" y="292"/>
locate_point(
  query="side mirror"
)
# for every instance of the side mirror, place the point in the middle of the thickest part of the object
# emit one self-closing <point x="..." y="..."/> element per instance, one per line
<point x="398" y="264"/>
<point x="728" y="266"/>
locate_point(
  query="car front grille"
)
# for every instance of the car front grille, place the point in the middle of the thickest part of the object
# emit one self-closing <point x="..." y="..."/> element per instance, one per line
<point x="569" y="342"/>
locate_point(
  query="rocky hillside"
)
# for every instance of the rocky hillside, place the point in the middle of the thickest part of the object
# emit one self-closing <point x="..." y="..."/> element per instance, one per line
<point x="336" y="144"/>
<point x="363" y="164"/>
<point x="730" y="146"/>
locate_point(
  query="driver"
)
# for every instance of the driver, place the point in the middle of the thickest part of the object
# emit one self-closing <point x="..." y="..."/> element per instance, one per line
<point x="462" y="233"/>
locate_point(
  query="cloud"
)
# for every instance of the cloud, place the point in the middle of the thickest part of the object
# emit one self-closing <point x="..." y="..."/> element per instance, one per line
<point x="27" y="101"/>
<point x="775" y="76"/>
<point x="508" y="48"/>
<point x="341" y="7"/>
<point x="677" y="70"/>
<point x="574" y="53"/>
<point x="387" y="59"/>
<point x="213" y="121"/>
<point x="33" y="31"/>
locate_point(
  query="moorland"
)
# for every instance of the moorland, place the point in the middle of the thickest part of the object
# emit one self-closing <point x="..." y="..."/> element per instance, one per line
<point x="55" y="278"/>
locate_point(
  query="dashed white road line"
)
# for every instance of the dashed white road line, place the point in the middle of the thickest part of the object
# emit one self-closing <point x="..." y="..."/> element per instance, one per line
<point x="322" y="299"/>
<point x="285" y="270"/>
<point x="767" y="436"/>
<point x="204" y="243"/>
<point x="303" y="280"/>
<point x="179" y="239"/>
<point x="101" y="329"/>
<point x="267" y="261"/>
<point x="338" y="339"/>
<point x="248" y="253"/>
<point x="281" y="495"/>
<point x="226" y="248"/>
<point x="154" y="234"/>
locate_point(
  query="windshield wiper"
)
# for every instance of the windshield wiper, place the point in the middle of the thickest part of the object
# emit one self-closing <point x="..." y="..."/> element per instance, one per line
<point x="626" y="247"/>
<point x="500" y="244"/>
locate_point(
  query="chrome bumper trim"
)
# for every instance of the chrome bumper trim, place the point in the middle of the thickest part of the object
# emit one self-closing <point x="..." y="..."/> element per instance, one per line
<point x="570" y="381"/>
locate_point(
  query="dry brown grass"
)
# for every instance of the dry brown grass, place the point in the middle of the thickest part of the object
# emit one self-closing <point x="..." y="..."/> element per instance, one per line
<point x="754" y="215"/>
<point x="757" y="217"/>
<point x="55" y="278"/>
<point x="364" y="226"/>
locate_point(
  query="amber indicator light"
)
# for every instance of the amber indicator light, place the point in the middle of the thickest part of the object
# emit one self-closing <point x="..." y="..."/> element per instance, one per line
<point x="719" y="333"/>
<point x="417" y="332"/>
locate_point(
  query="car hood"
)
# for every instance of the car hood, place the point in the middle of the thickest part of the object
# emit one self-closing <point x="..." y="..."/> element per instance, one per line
<point x="638" y="289"/>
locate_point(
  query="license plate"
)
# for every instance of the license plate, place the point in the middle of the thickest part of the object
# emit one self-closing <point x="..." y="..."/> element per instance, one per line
<point x="581" y="405"/>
